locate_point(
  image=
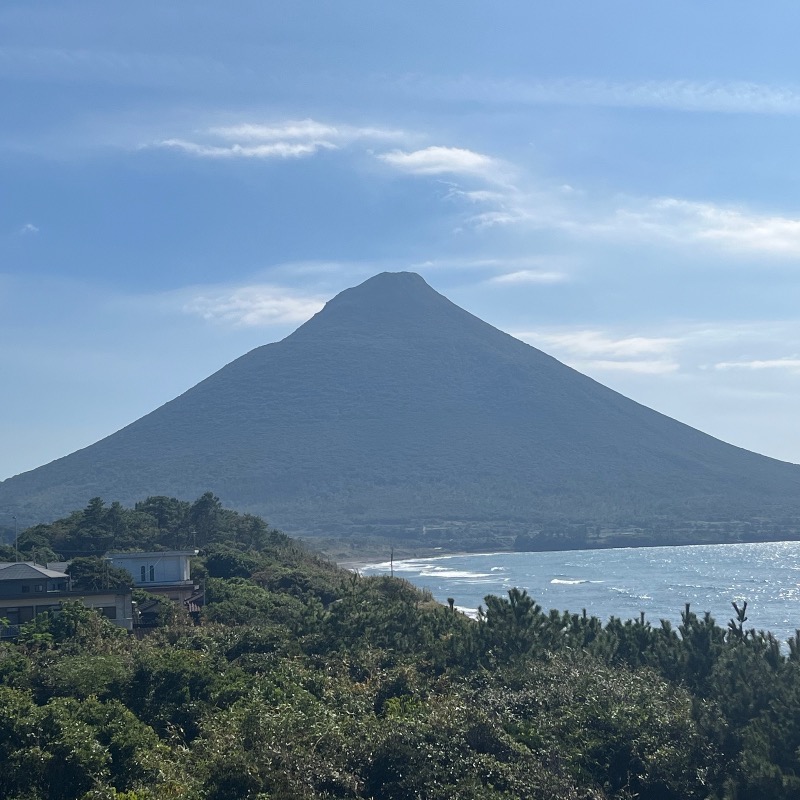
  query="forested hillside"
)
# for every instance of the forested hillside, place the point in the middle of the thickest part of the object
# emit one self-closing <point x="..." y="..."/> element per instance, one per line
<point x="393" y="410"/>
<point x="307" y="681"/>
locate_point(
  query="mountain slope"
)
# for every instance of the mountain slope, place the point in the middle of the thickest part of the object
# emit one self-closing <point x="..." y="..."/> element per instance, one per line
<point x="393" y="404"/>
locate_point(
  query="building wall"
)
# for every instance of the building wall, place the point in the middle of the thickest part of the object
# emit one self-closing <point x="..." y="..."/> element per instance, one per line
<point x="115" y="606"/>
<point x="149" y="568"/>
<point x="33" y="586"/>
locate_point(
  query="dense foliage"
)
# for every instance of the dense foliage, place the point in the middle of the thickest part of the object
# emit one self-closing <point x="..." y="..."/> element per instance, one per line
<point x="155" y="523"/>
<point x="306" y="681"/>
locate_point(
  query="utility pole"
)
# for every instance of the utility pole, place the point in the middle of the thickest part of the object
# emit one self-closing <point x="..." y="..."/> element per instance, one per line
<point x="391" y="563"/>
<point x="16" y="538"/>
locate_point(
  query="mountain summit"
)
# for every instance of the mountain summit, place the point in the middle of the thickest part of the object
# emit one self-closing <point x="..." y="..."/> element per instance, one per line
<point x="394" y="408"/>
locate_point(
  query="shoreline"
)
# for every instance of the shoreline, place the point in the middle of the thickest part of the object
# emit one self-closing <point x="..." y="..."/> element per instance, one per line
<point x="354" y="565"/>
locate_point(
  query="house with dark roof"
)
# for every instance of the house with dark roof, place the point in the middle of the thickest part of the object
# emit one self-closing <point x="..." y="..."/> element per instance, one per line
<point x="28" y="589"/>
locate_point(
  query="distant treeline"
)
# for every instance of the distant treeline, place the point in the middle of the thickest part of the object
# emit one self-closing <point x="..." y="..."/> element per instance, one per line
<point x="307" y="681"/>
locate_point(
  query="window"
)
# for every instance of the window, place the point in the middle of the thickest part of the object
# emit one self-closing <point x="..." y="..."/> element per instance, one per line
<point x="25" y="589"/>
<point x="152" y="573"/>
<point x="109" y="612"/>
<point x="39" y="587"/>
<point x="144" y="574"/>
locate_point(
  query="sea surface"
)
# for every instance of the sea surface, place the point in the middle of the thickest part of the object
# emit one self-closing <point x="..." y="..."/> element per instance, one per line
<point x="626" y="581"/>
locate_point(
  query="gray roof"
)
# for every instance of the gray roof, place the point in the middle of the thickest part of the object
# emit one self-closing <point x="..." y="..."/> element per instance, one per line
<point x="113" y="556"/>
<point x="23" y="570"/>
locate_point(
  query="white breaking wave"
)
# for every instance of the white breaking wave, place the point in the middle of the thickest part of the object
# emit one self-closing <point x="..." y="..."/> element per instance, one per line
<point x="441" y="572"/>
<point x="631" y="593"/>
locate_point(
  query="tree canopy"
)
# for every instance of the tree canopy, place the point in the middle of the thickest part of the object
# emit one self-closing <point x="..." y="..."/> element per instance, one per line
<point x="303" y="680"/>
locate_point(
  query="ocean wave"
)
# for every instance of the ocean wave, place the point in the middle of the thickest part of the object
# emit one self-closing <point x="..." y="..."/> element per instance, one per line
<point x="630" y="593"/>
<point x="572" y="581"/>
<point x="442" y="572"/>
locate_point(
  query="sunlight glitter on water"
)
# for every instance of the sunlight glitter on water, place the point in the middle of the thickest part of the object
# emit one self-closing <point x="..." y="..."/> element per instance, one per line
<point x="624" y="582"/>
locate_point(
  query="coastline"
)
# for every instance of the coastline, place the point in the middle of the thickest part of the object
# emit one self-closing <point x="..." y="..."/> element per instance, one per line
<point x="356" y="565"/>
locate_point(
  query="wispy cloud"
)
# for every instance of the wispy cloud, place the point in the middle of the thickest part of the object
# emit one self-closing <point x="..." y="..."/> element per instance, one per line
<point x="730" y="228"/>
<point x="438" y="160"/>
<point x="734" y="230"/>
<point x="690" y="348"/>
<point x="654" y="367"/>
<point x="505" y="271"/>
<point x="257" y="305"/>
<point x="524" y="276"/>
<point x="501" y="195"/>
<point x="727" y="97"/>
<point x="273" y="150"/>
<point x="461" y="263"/>
<point x="790" y="364"/>
<point x="590" y="343"/>
<point x="307" y="129"/>
<point x="286" y="139"/>
<point x="596" y="351"/>
<point x="28" y="229"/>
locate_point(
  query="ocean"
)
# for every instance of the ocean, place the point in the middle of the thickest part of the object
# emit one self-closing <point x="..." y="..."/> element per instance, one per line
<point x="626" y="581"/>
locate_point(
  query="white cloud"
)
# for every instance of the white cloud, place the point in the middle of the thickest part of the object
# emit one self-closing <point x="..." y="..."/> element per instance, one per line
<point x="273" y="150"/>
<point x="288" y="139"/>
<point x="734" y="230"/>
<point x="441" y="161"/>
<point x="790" y="364"/>
<point x="522" y="203"/>
<point x="592" y="343"/>
<point x="509" y="216"/>
<point x="693" y="349"/>
<point x="655" y="367"/>
<point x="529" y="276"/>
<point x="307" y="129"/>
<point x="528" y="204"/>
<point x="593" y="351"/>
<point x="478" y="195"/>
<point x="28" y="229"/>
<point x="730" y="228"/>
<point x="257" y="305"/>
<point x="253" y="132"/>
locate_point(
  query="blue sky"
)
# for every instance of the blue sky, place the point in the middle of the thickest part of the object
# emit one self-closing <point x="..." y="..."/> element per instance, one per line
<point x="615" y="183"/>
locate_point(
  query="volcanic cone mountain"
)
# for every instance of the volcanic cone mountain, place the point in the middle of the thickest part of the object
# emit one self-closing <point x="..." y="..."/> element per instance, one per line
<point x="393" y="406"/>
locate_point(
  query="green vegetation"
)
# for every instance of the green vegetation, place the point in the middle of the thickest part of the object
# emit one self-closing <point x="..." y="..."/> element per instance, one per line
<point x="156" y="523"/>
<point x="307" y="681"/>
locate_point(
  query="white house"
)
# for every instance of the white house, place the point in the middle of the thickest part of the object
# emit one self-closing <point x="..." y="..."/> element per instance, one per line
<point x="166" y="572"/>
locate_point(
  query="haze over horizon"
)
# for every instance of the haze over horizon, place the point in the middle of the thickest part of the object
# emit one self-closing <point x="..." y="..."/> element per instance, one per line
<point x="615" y="185"/>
